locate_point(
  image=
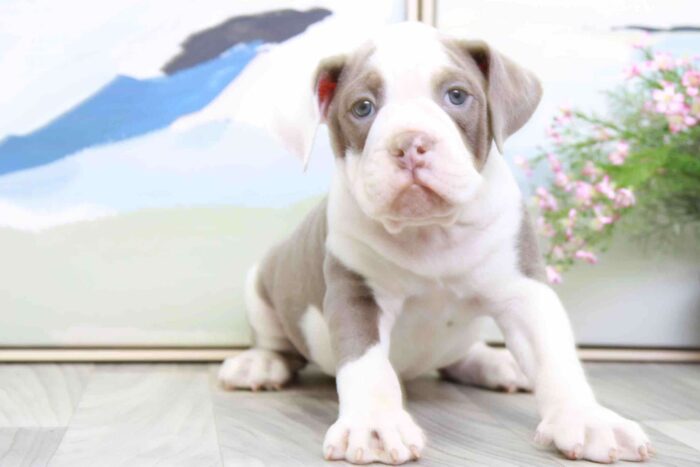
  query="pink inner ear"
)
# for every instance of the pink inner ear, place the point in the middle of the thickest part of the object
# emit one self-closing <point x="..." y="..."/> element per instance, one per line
<point x="326" y="89"/>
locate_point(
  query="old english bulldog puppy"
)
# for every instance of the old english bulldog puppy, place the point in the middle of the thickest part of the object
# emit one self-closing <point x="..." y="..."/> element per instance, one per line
<point x="424" y="231"/>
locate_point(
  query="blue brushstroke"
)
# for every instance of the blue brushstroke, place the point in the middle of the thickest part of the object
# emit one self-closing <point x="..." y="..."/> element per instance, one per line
<point x="124" y="108"/>
<point x="211" y="164"/>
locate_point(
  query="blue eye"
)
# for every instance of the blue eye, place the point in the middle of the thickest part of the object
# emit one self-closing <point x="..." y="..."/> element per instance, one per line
<point x="363" y="108"/>
<point x="456" y="96"/>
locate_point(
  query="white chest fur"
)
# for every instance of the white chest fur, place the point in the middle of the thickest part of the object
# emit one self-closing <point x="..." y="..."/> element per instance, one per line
<point x="432" y="331"/>
<point x="430" y="288"/>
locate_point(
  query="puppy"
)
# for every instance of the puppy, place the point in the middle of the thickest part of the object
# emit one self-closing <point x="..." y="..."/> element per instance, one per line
<point x="423" y="232"/>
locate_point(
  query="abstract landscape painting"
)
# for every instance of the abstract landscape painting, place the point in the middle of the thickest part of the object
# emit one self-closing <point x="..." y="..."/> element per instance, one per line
<point x="136" y="188"/>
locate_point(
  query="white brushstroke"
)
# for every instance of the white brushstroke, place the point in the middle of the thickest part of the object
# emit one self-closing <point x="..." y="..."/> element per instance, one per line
<point x="20" y="218"/>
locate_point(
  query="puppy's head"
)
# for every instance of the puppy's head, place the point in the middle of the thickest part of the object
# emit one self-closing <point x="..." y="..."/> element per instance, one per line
<point x="412" y="116"/>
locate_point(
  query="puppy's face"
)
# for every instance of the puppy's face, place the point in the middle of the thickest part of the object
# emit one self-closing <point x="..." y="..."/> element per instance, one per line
<point x="412" y="116"/>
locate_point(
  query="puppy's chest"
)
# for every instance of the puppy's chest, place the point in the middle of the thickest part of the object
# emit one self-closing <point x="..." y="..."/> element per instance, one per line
<point x="432" y="330"/>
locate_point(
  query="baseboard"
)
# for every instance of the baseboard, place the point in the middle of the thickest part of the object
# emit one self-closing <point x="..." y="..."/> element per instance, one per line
<point x="639" y="355"/>
<point x="217" y="354"/>
<point x="116" y="354"/>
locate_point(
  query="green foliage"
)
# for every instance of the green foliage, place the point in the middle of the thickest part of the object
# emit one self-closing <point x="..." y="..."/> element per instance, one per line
<point x="637" y="168"/>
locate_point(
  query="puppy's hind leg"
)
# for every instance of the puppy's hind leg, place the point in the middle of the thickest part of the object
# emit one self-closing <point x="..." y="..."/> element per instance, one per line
<point x="488" y="367"/>
<point x="272" y="361"/>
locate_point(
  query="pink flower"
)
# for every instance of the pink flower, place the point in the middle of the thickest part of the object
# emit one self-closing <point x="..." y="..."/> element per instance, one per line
<point x="680" y="122"/>
<point x="574" y="243"/>
<point x="554" y="135"/>
<point x="562" y="181"/>
<point x="545" y="227"/>
<point x="565" y="115"/>
<point x="691" y="79"/>
<point x="586" y="256"/>
<point x="691" y="91"/>
<point x="547" y="202"/>
<point x="624" y="198"/>
<point x="590" y="170"/>
<point x="650" y="65"/>
<point x="553" y="276"/>
<point x="583" y="192"/>
<point x="664" y="61"/>
<point x="524" y="164"/>
<point x="618" y="156"/>
<point x="632" y="71"/>
<point x="554" y="162"/>
<point x="615" y="158"/>
<point x="668" y="101"/>
<point x="606" y="188"/>
<point x="601" y="219"/>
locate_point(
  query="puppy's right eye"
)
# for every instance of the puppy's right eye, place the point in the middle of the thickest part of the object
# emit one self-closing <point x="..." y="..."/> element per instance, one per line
<point x="456" y="96"/>
<point x="362" y="108"/>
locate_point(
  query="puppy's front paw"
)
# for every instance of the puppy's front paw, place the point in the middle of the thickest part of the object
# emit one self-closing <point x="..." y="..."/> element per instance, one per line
<point x="593" y="432"/>
<point x="255" y="369"/>
<point x="388" y="437"/>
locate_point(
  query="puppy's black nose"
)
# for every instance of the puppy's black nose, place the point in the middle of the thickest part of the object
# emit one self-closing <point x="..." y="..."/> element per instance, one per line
<point x="410" y="148"/>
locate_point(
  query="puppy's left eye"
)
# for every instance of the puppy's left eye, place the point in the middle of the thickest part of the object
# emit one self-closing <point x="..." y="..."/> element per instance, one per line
<point x="363" y="108"/>
<point x="456" y="96"/>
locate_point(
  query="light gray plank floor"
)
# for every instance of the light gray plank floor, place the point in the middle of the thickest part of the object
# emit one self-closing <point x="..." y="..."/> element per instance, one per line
<point x="142" y="415"/>
<point x="40" y="395"/>
<point x="157" y="414"/>
<point x="28" y="446"/>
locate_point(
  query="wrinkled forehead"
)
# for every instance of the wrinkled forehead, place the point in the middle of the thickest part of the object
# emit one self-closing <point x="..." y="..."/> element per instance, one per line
<point x="400" y="49"/>
<point x="409" y="59"/>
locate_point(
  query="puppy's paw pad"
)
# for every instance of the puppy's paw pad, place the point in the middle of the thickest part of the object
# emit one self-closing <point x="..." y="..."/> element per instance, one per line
<point x="593" y="433"/>
<point x="389" y="438"/>
<point x="255" y="369"/>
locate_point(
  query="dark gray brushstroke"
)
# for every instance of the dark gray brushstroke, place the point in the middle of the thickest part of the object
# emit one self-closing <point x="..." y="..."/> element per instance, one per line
<point x="273" y="26"/>
<point x="652" y="29"/>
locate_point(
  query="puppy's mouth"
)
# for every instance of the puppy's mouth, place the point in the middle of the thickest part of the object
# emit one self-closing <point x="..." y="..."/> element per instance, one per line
<point x="417" y="204"/>
<point x="417" y="201"/>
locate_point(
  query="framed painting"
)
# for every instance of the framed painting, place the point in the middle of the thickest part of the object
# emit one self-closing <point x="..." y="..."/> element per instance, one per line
<point x="139" y="178"/>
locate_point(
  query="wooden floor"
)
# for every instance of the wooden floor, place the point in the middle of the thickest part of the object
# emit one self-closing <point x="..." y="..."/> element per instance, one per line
<point x="146" y="415"/>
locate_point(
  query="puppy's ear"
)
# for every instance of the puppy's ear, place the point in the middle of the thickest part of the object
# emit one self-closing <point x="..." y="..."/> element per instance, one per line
<point x="513" y="92"/>
<point x="298" y="137"/>
<point x="325" y="82"/>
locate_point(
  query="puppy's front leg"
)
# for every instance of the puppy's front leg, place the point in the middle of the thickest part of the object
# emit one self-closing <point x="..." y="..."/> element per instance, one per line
<point x="372" y="424"/>
<point x="538" y="333"/>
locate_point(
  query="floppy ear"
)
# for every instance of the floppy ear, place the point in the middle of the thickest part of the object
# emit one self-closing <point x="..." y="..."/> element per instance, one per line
<point x="325" y="81"/>
<point x="299" y="136"/>
<point x="513" y="92"/>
